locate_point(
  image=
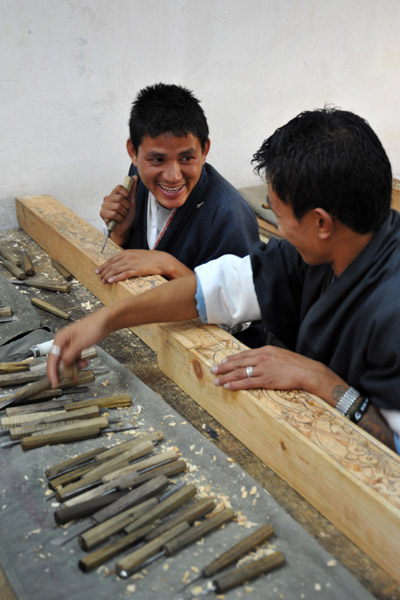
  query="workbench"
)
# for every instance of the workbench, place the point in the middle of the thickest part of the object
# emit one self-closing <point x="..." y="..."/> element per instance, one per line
<point x="325" y="561"/>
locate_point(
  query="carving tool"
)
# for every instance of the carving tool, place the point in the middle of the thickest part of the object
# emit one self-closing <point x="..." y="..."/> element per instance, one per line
<point x="13" y="269"/>
<point x="101" y="532"/>
<point x="67" y="378"/>
<point x="44" y="348"/>
<point x="26" y="264"/>
<point x="54" y="310"/>
<point x="257" y="537"/>
<point x="127" y="184"/>
<point x="235" y="577"/>
<point x="151" y="551"/>
<point x="143" y="514"/>
<point x="102" y="474"/>
<point x="42" y="284"/>
<point x="88" y="507"/>
<point x="147" y="533"/>
<point x="100" y="454"/>
<point x="62" y="270"/>
<point x="10" y="256"/>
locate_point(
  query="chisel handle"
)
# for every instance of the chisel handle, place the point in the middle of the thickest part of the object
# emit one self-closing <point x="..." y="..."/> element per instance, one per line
<point x="127" y="184"/>
<point x="238" y="550"/>
<point x="14" y="269"/>
<point x="199" y="531"/>
<point x="236" y="577"/>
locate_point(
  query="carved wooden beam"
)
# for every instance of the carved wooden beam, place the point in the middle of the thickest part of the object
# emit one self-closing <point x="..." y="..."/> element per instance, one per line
<point x="350" y="477"/>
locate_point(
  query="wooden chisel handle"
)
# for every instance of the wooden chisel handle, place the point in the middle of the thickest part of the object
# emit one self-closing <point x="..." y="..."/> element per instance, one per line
<point x="236" y="577"/>
<point x="238" y="550"/>
<point x="196" y="533"/>
<point x="14" y="269"/>
<point x="127" y="184"/>
<point x="59" y="437"/>
<point x="133" y="560"/>
<point x="26" y="264"/>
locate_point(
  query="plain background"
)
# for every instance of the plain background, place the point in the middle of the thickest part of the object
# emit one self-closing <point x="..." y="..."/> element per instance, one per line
<point x="70" y="69"/>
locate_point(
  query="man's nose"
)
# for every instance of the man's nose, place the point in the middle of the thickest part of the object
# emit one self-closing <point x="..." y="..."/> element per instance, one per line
<point x="172" y="171"/>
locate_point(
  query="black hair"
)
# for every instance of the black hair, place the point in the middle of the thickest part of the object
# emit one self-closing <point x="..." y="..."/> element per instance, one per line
<point x="331" y="159"/>
<point x="164" y="108"/>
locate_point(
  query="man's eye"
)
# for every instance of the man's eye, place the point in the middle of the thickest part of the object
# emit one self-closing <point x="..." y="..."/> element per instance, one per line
<point x="187" y="159"/>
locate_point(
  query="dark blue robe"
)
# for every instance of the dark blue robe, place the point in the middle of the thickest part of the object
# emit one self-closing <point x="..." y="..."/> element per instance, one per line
<point x="351" y="324"/>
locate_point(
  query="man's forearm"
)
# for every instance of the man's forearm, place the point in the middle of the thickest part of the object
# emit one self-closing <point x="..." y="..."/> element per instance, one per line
<point x="172" y="301"/>
<point x="375" y="424"/>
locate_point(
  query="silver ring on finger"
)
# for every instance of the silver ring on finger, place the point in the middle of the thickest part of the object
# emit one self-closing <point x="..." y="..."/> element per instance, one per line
<point x="56" y="350"/>
<point x="249" y="371"/>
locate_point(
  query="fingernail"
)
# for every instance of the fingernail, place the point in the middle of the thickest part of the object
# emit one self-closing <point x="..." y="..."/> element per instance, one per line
<point x="224" y="361"/>
<point x="97" y="271"/>
<point x="216" y="381"/>
<point x="111" y="280"/>
<point x="227" y="386"/>
<point x="214" y="369"/>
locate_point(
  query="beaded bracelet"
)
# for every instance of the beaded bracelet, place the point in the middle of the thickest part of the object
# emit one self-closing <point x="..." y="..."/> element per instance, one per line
<point x="359" y="409"/>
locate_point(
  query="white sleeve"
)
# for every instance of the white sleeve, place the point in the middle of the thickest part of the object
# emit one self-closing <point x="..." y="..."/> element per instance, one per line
<point x="225" y="291"/>
<point x="393" y="419"/>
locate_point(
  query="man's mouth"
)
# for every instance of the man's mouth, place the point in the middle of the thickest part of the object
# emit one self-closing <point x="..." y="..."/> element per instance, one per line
<point x="171" y="190"/>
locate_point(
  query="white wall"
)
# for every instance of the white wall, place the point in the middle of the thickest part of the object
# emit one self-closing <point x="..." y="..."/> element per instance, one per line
<point x="69" y="70"/>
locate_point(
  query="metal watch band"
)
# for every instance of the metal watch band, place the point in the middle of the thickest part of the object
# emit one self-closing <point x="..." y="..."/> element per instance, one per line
<point x="347" y="401"/>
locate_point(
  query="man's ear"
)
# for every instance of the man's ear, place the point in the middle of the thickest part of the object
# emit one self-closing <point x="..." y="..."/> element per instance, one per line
<point x="206" y="150"/>
<point x="132" y="152"/>
<point x="324" y="222"/>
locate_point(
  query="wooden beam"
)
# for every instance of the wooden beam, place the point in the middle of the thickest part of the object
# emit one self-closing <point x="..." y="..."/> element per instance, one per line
<point x="350" y="477"/>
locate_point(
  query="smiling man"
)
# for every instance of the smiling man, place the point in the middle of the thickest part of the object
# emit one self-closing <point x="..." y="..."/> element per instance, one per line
<point x="180" y="212"/>
<point x="329" y="291"/>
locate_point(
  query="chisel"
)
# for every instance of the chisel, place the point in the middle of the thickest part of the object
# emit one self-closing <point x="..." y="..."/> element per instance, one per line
<point x="235" y="577"/>
<point x="151" y="551"/>
<point x="26" y="264"/>
<point x="13" y="269"/>
<point x="54" y="310"/>
<point x="127" y="184"/>
<point x="240" y="549"/>
<point x="10" y="256"/>
<point x="143" y="514"/>
<point x="42" y="284"/>
<point x="62" y="270"/>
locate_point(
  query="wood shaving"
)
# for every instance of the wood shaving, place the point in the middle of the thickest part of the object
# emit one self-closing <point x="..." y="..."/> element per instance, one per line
<point x="48" y="492"/>
<point x="185" y="576"/>
<point x="131" y="588"/>
<point x="105" y="383"/>
<point x="253" y="491"/>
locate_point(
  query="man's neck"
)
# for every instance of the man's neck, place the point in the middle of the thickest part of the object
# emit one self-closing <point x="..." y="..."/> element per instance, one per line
<point x="348" y="245"/>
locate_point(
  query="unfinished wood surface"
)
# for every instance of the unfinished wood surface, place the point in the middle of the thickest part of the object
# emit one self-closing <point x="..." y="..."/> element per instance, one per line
<point x="346" y="474"/>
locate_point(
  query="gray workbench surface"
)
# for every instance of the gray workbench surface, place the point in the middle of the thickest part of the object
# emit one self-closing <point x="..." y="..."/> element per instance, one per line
<point x="36" y="568"/>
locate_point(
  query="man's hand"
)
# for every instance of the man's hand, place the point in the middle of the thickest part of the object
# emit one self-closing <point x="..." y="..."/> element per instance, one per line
<point x="70" y="342"/>
<point x="137" y="263"/>
<point x="120" y="206"/>
<point x="277" y="369"/>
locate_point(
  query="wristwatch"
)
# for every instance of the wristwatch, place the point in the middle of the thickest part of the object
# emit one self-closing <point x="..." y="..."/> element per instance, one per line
<point x="347" y="400"/>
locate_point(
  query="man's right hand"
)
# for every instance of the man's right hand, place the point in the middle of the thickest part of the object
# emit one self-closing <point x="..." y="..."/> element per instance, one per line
<point x="120" y="206"/>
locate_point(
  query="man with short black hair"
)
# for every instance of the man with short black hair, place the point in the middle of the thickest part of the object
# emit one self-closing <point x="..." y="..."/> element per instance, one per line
<point x="329" y="291"/>
<point x="181" y="212"/>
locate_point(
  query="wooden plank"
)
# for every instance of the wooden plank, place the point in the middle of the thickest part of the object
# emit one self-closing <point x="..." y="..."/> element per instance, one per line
<point x="350" y="477"/>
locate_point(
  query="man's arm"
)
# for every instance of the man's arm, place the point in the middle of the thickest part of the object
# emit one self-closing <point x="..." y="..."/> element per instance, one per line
<point x="137" y="263"/>
<point x="172" y="301"/>
<point x="280" y="369"/>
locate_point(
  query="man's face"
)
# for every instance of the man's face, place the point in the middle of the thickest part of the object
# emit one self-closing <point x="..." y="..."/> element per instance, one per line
<point x="303" y="234"/>
<point x="169" y="166"/>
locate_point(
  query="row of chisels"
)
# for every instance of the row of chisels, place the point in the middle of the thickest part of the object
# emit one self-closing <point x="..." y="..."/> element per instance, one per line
<point x="132" y="507"/>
